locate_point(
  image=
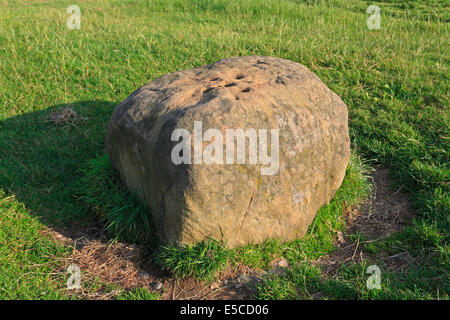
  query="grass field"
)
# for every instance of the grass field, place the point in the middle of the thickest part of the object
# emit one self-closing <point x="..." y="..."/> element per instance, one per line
<point x="395" y="82"/>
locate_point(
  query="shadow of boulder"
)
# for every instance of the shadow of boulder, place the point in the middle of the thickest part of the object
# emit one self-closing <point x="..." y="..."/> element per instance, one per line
<point x="42" y="152"/>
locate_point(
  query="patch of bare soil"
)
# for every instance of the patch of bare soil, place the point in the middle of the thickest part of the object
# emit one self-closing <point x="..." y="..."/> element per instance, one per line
<point x="130" y="266"/>
<point x="388" y="212"/>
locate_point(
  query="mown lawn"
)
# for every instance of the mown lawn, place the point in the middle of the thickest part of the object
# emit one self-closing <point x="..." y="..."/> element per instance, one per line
<point x="395" y="82"/>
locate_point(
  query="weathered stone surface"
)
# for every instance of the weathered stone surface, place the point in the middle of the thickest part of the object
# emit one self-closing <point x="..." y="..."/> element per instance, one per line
<point x="233" y="202"/>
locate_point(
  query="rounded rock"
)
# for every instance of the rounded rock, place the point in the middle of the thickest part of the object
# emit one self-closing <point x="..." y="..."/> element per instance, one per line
<point x="296" y="150"/>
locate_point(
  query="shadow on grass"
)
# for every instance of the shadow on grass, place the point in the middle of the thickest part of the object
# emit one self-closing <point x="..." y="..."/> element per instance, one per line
<point x="42" y="158"/>
<point x="41" y="154"/>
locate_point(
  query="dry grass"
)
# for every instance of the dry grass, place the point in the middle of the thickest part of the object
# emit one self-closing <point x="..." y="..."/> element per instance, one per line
<point x="65" y="116"/>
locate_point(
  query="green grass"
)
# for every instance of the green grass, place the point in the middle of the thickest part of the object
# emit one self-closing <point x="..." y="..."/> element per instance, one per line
<point x="202" y="261"/>
<point x="305" y="281"/>
<point x="138" y="294"/>
<point x="394" y="81"/>
<point x="29" y="269"/>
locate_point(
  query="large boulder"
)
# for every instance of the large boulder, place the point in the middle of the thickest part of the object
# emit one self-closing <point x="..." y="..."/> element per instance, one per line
<point x="172" y="141"/>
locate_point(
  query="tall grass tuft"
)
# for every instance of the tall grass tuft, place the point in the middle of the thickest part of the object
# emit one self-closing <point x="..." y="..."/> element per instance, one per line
<point x="202" y="261"/>
<point x="121" y="214"/>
